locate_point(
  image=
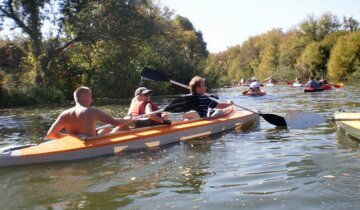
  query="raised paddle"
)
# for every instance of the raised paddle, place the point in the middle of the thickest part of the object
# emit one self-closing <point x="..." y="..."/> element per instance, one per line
<point x="266" y="79"/>
<point x="156" y="75"/>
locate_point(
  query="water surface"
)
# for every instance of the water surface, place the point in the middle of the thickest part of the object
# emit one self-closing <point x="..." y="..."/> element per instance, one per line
<point x="261" y="167"/>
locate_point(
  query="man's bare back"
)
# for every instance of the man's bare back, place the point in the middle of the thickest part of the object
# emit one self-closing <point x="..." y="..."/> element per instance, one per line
<point x="81" y="119"/>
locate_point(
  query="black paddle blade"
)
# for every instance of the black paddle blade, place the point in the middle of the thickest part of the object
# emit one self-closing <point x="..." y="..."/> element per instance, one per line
<point x="274" y="119"/>
<point x="183" y="104"/>
<point x="153" y="74"/>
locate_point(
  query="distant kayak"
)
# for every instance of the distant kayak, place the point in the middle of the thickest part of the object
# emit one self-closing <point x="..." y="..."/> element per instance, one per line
<point x="269" y="84"/>
<point x="298" y="85"/>
<point x="322" y="88"/>
<point x="249" y="93"/>
<point x="326" y="87"/>
<point x="310" y="89"/>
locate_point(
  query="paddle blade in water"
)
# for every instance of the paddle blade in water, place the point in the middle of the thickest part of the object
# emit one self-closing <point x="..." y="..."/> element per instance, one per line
<point x="301" y="119"/>
<point x="153" y="74"/>
<point x="183" y="104"/>
<point x="274" y="119"/>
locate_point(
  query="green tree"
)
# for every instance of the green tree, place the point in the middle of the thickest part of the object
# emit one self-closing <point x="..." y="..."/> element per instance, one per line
<point x="30" y="16"/>
<point x="291" y="47"/>
<point x="312" y="60"/>
<point x="344" y="60"/>
<point x="269" y="56"/>
<point x="317" y="28"/>
<point x="350" y="24"/>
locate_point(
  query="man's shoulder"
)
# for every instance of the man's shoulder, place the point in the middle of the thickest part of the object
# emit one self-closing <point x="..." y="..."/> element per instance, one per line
<point x="68" y="111"/>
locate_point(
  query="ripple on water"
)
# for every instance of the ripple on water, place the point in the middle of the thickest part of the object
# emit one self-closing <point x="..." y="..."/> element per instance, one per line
<point x="261" y="167"/>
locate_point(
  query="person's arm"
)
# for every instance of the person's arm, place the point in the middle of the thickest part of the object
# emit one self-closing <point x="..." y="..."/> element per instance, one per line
<point x="105" y="118"/>
<point x="156" y="118"/>
<point x="224" y="105"/>
<point x="57" y="126"/>
<point x="131" y="107"/>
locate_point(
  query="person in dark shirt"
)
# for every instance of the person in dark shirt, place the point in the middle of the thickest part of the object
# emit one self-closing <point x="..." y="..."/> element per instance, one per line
<point x="197" y="89"/>
<point x="312" y="83"/>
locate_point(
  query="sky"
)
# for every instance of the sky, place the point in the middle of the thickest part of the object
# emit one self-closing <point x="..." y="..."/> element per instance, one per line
<point x="225" y="23"/>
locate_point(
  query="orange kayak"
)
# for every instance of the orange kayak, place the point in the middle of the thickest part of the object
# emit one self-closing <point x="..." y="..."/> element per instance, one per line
<point x="73" y="147"/>
<point x="249" y="93"/>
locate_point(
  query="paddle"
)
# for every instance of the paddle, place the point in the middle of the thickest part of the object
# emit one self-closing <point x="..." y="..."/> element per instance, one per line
<point x="337" y="85"/>
<point x="302" y="119"/>
<point x="182" y="104"/>
<point x="266" y="79"/>
<point x="156" y="75"/>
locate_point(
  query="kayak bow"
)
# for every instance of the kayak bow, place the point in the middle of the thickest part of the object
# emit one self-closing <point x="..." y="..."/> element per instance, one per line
<point x="349" y="122"/>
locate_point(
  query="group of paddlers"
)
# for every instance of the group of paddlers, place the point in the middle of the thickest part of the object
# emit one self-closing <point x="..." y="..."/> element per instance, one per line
<point x="81" y="119"/>
<point x="316" y="84"/>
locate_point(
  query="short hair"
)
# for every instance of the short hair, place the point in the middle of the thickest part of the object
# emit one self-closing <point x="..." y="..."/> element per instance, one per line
<point x="80" y="91"/>
<point x="195" y="82"/>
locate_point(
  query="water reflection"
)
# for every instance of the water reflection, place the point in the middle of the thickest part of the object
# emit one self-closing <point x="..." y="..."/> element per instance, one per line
<point x="256" y="167"/>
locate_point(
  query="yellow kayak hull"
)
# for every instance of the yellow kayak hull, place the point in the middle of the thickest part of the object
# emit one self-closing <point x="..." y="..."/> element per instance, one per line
<point x="72" y="147"/>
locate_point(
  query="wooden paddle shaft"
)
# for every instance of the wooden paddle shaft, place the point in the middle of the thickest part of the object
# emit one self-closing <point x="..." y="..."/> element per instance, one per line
<point x="179" y="84"/>
<point x="187" y="87"/>
<point x="135" y="118"/>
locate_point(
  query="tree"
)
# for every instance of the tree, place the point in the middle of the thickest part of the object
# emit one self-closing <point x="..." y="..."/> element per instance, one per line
<point x="30" y="16"/>
<point x="269" y="56"/>
<point x="312" y="61"/>
<point x="317" y="28"/>
<point x="291" y="47"/>
<point x="350" y="24"/>
<point x="327" y="23"/>
<point x="344" y="61"/>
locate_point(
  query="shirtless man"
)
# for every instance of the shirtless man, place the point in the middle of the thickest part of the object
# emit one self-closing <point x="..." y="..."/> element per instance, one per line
<point x="81" y="119"/>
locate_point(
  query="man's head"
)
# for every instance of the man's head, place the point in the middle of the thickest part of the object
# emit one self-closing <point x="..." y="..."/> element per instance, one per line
<point x="82" y="95"/>
<point x="197" y="85"/>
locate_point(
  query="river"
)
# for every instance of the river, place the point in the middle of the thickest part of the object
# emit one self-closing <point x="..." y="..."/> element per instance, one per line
<point x="262" y="167"/>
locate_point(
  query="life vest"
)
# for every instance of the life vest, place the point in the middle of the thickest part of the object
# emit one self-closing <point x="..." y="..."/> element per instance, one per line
<point x="139" y="107"/>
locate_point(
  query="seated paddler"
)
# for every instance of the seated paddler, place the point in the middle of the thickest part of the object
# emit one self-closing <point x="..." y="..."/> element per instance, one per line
<point x="142" y="104"/>
<point x="81" y="119"/>
<point x="254" y="86"/>
<point x="203" y="102"/>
